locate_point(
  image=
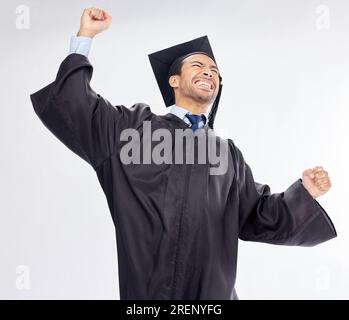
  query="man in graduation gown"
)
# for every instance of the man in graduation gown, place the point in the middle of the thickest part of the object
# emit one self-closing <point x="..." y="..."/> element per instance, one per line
<point x="177" y="225"/>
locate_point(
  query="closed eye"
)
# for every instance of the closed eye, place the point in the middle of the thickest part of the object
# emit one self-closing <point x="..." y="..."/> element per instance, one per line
<point x="200" y="65"/>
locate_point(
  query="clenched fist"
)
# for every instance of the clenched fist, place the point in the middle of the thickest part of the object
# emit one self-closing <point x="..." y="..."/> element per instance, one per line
<point x="93" y="21"/>
<point x="316" y="181"/>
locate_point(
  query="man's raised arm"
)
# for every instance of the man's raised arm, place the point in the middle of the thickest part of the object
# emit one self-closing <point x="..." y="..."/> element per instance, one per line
<point x="83" y="120"/>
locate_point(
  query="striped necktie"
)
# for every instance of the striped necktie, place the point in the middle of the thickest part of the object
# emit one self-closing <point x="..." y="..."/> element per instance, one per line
<point x="195" y="119"/>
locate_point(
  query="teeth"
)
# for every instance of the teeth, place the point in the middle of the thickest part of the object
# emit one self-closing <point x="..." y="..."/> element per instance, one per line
<point x="204" y="84"/>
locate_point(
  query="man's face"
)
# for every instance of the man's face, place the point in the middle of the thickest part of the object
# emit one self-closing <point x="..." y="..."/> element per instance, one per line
<point x="198" y="80"/>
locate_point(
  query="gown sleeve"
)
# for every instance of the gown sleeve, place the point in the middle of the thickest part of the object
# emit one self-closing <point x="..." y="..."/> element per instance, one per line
<point x="83" y="120"/>
<point x="292" y="218"/>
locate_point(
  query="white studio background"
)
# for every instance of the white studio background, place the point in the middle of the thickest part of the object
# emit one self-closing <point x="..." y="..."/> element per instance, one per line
<point x="285" y="65"/>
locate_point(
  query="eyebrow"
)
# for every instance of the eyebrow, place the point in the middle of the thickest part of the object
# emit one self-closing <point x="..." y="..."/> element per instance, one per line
<point x="212" y="66"/>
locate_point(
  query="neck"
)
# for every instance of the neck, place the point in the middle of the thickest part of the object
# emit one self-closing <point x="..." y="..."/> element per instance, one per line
<point x="192" y="106"/>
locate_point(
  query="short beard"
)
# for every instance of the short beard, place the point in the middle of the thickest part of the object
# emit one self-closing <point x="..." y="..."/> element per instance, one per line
<point x="199" y="98"/>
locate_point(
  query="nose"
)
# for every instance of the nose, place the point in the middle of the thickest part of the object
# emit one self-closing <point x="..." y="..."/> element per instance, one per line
<point x="208" y="73"/>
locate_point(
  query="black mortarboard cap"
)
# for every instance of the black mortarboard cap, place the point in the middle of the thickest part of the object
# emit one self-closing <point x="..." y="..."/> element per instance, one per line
<point x="167" y="61"/>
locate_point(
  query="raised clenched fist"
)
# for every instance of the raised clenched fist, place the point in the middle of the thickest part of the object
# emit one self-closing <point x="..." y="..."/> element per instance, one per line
<point x="316" y="181"/>
<point x="93" y="21"/>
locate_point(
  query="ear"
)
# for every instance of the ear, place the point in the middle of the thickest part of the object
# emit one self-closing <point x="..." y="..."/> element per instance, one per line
<point x="174" y="81"/>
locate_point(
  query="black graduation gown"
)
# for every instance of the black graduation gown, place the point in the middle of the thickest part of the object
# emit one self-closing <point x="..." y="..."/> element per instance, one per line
<point x="177" y="226"/>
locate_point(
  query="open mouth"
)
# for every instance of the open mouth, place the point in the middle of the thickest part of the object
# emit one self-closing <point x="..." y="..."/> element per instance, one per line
<point x="204" y="84"/>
